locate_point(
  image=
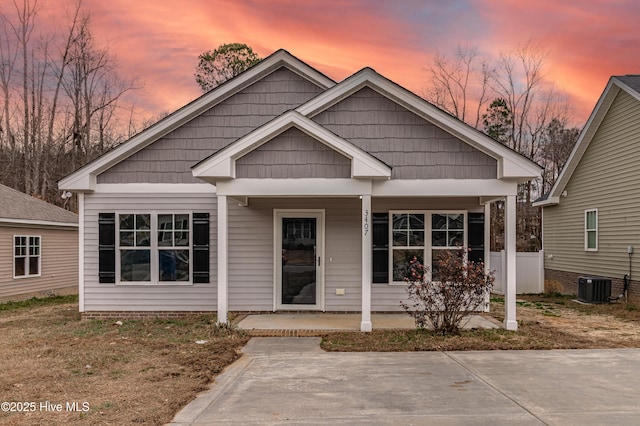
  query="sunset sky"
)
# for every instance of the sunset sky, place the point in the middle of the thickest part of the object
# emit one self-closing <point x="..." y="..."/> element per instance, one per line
<point x="158" y="41"/>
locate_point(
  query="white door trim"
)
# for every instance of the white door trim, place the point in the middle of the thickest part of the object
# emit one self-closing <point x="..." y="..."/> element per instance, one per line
<point x="278" y="215"/>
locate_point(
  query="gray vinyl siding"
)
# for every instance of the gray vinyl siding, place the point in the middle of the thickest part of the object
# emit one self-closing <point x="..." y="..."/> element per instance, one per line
<point x="169" y="159"/>
<point x="608" y="179"/>
<point x="58" y="260"/>
<point x="251" y="252"/>
<point x="293" y="154"/>
<point x="413" y="147"/>
<point x="112" y="297"/>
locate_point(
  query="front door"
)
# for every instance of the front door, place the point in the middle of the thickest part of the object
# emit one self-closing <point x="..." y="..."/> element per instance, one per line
<point x="298" y="260"/>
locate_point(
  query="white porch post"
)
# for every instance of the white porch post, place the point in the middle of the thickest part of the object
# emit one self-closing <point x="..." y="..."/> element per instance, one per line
<point x="509" y="286"/>
<point x="81" y="251"/>
<point x="487" y="238"/>
<point x="367" y="231"/>
<point x="222" y="258"/>
<point x="487" y="251"/>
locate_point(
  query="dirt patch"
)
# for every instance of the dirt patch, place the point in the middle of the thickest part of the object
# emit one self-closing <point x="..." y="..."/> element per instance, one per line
<point x="544" y="322"/>
<point x="101" y="372"/>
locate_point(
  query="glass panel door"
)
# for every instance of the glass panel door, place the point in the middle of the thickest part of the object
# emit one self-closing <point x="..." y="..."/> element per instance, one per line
<point x="298" y="264"/>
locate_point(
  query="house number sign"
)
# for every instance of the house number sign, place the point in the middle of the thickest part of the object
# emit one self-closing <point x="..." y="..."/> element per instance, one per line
<point x="365" y="222"/>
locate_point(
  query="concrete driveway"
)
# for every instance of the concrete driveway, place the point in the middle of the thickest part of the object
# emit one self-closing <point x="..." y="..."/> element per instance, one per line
<point x="291" y="380"/>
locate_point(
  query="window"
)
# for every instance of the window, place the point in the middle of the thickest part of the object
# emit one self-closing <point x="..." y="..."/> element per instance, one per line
<point x="424" y="235"/>
<point x="173" y="247"/>
<point x="153" y="248"/>
<point x="447" y="233"/>
<point x="591" y="230"/>
<point x="407" y="242"/>
<point x="26" y="256"/>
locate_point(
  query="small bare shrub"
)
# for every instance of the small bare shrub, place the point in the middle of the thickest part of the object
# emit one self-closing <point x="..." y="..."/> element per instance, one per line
<point x="457" y="287"/>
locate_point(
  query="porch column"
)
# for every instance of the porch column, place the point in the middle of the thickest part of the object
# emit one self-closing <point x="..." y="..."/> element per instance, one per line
<point x="509" y="286"/>
<point x="487" y="251"/>
<point x="367" y="231"/>
<point x="222" y="258"/>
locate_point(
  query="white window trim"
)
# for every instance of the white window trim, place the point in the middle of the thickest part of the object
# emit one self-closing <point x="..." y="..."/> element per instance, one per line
<point x="154" y="258"/>
<point x="586" y="231"/>
<point x="13" y="257"/>
<point x="428" y="248"/>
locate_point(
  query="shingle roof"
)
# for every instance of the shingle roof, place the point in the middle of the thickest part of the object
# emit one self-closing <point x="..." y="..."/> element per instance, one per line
<point x="633" y="81"/>
<point x="17" y="205"/>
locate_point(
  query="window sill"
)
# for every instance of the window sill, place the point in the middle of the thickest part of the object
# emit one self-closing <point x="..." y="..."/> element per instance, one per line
<point x="156" y="284"/>
<point x="21" y="277"/>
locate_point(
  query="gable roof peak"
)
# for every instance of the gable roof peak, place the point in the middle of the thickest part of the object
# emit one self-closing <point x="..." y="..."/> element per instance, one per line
<point x="630" y="84"/>
<point x="84" y="179"/>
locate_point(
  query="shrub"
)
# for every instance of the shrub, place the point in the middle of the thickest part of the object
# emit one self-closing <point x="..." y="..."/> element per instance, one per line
<point x="458" y="287"/>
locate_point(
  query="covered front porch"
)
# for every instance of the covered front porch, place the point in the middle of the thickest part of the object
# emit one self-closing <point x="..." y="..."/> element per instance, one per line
<point x="343" y="253"/>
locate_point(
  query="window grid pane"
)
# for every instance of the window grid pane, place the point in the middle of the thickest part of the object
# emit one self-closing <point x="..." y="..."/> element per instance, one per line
<point x="447" y="230"/>
<point x="168" y="264"/>
<point x="408" y="239"/>
<point x="26" y="255"/>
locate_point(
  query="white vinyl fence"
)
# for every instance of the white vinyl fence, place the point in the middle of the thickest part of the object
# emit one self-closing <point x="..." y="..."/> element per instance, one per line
<point x="529" y="272"/>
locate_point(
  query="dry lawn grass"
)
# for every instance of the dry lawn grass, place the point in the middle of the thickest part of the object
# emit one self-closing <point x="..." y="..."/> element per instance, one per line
<point x="545" y="322"/>
<point x="141" y="372"/>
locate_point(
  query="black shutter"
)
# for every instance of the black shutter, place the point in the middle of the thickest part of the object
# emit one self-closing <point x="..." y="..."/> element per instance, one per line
<point x="380" y="248"/>
<point x="107" y="248"/>
<point x="476" y="237"/>
<point x="200" y="247"/>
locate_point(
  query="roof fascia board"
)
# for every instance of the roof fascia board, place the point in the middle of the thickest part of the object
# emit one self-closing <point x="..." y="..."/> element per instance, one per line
<point x="525" y="168"/>
<point x="626" y="88"/>
<point x="27" y="223"/>
<point x="78" y="180"/>
<point x="551" y="201"/>
<point x="222" y="164"/>
<point x="588" y="131"/>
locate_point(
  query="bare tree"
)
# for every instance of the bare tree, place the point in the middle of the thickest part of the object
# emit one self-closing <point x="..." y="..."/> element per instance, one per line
<point x="459" y="85"/>
<point x="61" y="95"/>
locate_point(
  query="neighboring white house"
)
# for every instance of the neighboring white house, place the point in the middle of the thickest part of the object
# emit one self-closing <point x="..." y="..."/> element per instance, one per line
<point x="38" y="245"/>
<point x="591" y="217"/>
<point x="283" y="190"/>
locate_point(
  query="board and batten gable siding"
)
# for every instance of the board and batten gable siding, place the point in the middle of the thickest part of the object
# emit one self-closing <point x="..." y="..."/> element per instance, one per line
<point x="169" y="159"/>
<point x="607" y="178"/>
<point x="413" y="147"/>
<point x="293" y="154"/>
<point x="113" y="297"/>
<point x="58" y="260"/>
<point x="251" y="252"/>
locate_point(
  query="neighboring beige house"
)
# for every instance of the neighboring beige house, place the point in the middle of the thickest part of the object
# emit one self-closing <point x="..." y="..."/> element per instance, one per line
<point x="282" y="190"/>
<point x="38" y="245"/>
<point x="591" y="217"/>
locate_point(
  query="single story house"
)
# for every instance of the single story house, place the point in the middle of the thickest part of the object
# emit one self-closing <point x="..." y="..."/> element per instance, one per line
<point x="38" y="245"/>
<point x="283" y="190"/>
<point x="591" y="216"/>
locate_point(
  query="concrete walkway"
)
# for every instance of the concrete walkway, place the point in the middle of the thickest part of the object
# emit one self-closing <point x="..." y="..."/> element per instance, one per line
<point x="292" y="381"/>
<point x="317" y="324"/>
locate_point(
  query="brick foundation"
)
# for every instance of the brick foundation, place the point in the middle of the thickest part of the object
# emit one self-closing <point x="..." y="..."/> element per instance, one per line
<point x="567" y="283"/>
<point x="141" y="314"/>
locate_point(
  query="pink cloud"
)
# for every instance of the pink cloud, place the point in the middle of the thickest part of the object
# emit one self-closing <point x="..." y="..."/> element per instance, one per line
<point x="159" y="41"/>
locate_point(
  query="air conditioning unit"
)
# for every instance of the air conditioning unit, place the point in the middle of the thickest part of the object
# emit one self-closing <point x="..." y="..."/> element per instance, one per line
<point x="594" y="289"/>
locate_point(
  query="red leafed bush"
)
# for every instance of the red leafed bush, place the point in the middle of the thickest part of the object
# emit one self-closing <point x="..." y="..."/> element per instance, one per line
<point x="457" y="287"/>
